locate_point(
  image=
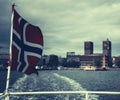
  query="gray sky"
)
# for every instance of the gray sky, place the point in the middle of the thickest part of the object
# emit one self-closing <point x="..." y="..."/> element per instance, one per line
<point x="66" y="24"/>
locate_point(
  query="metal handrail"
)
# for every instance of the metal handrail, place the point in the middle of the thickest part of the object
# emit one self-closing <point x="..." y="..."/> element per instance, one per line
<point x="65" y="92"/>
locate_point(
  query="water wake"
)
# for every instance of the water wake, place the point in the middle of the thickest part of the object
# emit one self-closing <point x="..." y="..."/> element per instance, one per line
<point x="48" y="82"/>
<point x="75" y="86"/>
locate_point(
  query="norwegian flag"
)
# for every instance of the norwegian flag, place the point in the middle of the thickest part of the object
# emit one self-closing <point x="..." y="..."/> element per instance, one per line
<point x="27" y="45"/>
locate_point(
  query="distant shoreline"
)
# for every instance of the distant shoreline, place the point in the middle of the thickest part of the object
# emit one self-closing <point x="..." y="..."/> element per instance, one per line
<point x="68" y="68"/>
<point x="109" y="69"/>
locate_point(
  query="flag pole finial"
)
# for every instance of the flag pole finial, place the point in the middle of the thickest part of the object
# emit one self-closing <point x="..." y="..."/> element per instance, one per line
<point x="13" y="6"/>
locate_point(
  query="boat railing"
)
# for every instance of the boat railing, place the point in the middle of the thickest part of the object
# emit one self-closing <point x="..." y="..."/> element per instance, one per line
<point x="87" y="93"/>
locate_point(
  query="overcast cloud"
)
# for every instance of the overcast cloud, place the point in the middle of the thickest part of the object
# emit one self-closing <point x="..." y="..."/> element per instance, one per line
<point x="66" y="24"/>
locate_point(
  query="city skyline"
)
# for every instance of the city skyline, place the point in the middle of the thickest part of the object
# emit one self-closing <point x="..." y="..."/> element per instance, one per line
<point x="66" y="24"/>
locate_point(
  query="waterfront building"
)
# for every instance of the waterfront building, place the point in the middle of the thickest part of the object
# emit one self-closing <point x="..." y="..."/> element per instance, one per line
<point x="107" y="46"/>
<point x="70" y="54"/>
<point x="71" y="58"/>
<point x="91" y="59"/>
<point x="88" y="47"/>
<point x="104" y="61"/>
<point x="116" y="61"/>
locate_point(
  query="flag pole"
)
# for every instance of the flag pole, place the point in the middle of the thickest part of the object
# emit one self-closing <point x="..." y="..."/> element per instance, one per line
<point x="10" y="56"/>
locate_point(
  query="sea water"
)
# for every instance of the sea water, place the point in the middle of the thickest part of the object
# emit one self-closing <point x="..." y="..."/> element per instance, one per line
<point x="64" y="80"/>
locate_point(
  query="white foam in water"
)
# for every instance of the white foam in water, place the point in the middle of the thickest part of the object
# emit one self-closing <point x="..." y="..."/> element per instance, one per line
<point x="22" y="84"/>
<point x="75" y="86"/>
<point x="30" y="83"/>
<point x="19" y="83"/>
<point x="25" y="82"/>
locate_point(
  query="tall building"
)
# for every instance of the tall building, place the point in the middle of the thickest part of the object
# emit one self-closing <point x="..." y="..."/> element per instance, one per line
<point x="107" y="48"/>
<point x="88" y="47"/>
<point x="107" y="52"/>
